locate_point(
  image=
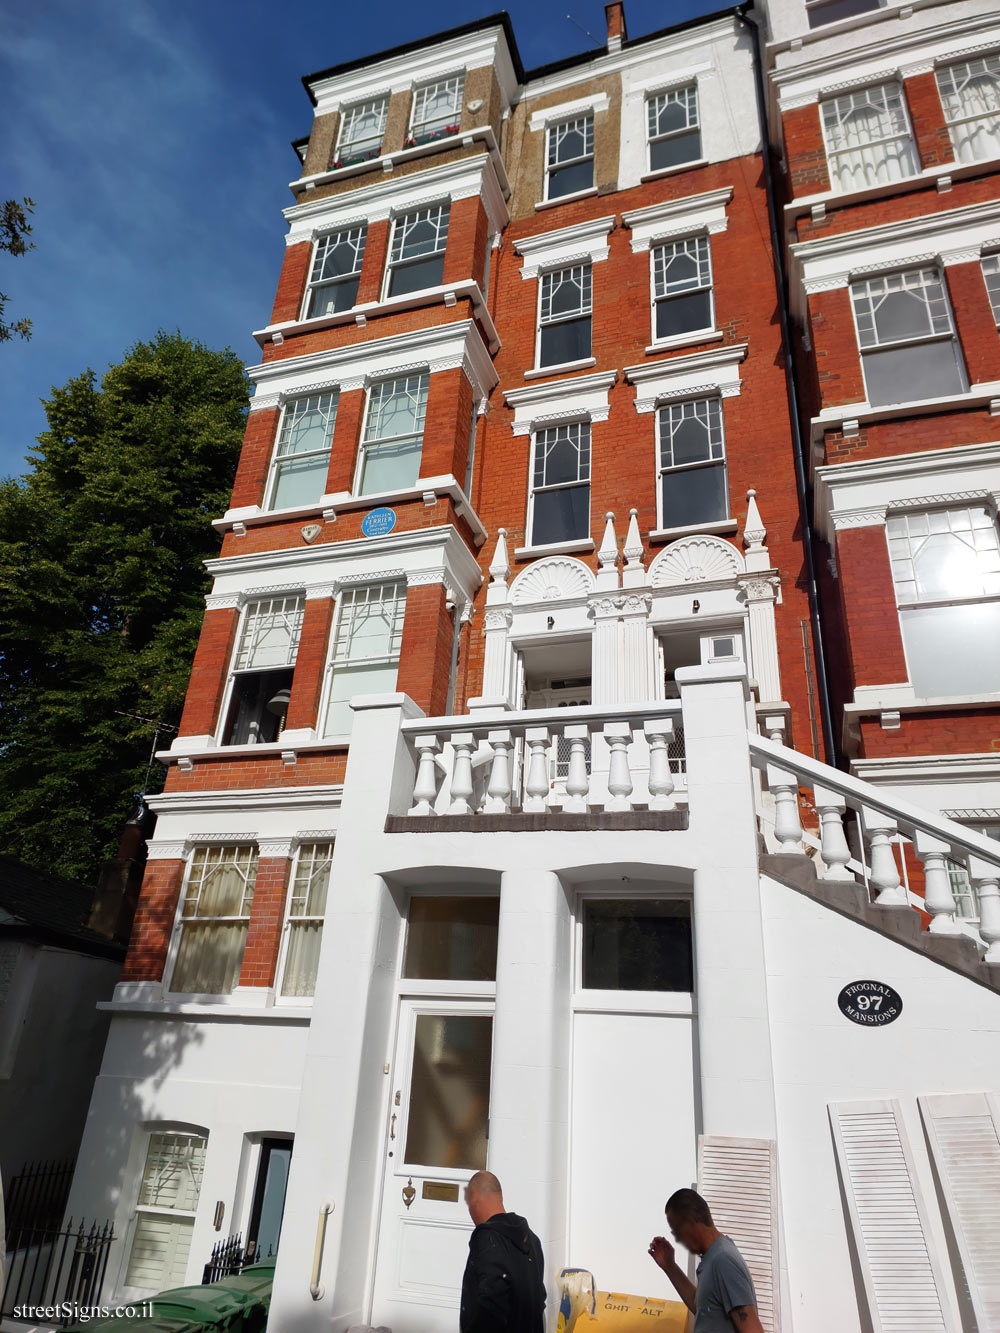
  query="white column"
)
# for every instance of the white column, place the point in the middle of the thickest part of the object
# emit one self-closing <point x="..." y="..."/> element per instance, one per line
<point x="737" y="1087"/>
<point x="605" y="667"/>
<point x="637" y="649"/>
<point x="496" y="659"/>
<point x="529" y="1099"/>
<point x="760" y="595"/>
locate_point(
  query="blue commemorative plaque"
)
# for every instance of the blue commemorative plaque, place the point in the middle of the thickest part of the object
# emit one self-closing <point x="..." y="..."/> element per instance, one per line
<point x="378" y="522"/>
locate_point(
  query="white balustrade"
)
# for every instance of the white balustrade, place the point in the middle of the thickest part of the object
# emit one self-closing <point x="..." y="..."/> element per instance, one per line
<point x="618" y="736"/>
<point x="498" y="789"/>
<point x="833" y="841"/>
<point x="462" y="787"/>
<point x="939" y="901"/>
<point x="536" y="786"/>
<point x="985" y="877"/>
<point x="425" y="787"/>
<point x="578" y="776"/>
<point x="784" y="787"/>
<point x="659" y="733"/>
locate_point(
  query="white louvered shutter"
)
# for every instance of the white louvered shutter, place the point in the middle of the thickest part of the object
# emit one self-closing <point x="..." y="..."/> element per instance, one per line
<point x="738" y="1180"/>
<point x="964" y="1134"/>
<point x="901" y="1270"/>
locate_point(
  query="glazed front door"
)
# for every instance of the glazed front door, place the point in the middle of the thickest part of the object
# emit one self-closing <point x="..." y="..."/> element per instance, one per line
<point x="435" y="1139"/>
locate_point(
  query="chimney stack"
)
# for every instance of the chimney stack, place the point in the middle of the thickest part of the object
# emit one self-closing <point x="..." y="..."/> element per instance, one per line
<point x="614" y="14"/>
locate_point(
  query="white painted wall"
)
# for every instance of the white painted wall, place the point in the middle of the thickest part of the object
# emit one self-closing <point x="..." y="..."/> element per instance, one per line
<point x="947" y="1039"/>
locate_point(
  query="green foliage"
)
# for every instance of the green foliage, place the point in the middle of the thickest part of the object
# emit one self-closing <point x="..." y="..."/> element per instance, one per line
<point x="102" y="589"/>
<point x="14" y="230"/>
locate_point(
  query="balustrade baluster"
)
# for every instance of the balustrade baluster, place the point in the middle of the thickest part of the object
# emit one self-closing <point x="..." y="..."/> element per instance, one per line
<point x="939" y="900"/>
<point x="784" y="787"/>
<point x="884" y="874"/>
<point x="833" y="841"/>
<point x="618" y="736"/>
<point x="577" y="777"/>
<point x="425" y="786"/>
<point x="463" y="743"/>
<point x="659" y="733"/>
<point x="499" y="787"/>
<point x="986" y="879"/>
<point x="536" y="786"/>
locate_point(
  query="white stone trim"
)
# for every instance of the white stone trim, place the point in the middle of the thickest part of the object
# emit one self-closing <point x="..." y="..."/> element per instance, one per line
<point x="274" y="847"/>
<point x="582" y="397"/>
<point x="713" y="372"/>
<point x="541" y="120"/>
<point x="585" y="242"/>
<point x="162" y="850"/>
<point x="679" y="217"/>
<point x="223" y="601"/>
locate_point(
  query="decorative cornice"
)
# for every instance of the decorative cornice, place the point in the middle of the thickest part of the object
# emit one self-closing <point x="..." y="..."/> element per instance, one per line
<point x="321" y="591"/>
<point x="422" y="578"/>
<point x="262" y="401"/>
<point x="678" y="217"/>
<point x="494" y="619"/>
<point x="858" y="518"/>
<point x="688" y="376"/>
<point x="760" y="589"/>
<point x="596" y="102"/>
<point x="167" y="850"/>
<point x="313" y="835"/>
<point x="585" y="242"/>
<point x="584" y="397"/>
<point x="981" y="496"/>
<point x="224" y="601"/>
<point x="278" y="848"/>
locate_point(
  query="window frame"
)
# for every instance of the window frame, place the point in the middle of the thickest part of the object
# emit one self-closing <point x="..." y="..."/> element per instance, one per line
<point x="651" y="138"/>
<point x="313" y="284"/>
<point x="280" y="998"/>
<point x="173" y="949"/>
<point x="993" y="258"/>
<point x="894" y="83"/>
<point x="919" y="340"/>
<point x="346" y="111"/>
<point x="960" y="122"/>
<point x="411" y="133"/>
<point x="543" y="276"/>
<point x="530" y="538"/>
<point x="586" y="115"/>
<point x="693" y="335"/>
<point x="330" y="666"/>
<point x="629" y="1001"/>
<point x="661" y="470"/>
<point x="394" y="265"/>
<point x="274" y="466"/>
<point x="363" y="443"/>
<point x="232" y="671"/>
<point x="138" y="1164"/>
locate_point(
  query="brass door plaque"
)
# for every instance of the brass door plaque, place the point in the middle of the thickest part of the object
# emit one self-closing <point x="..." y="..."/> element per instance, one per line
<point x="441" y="1190"/>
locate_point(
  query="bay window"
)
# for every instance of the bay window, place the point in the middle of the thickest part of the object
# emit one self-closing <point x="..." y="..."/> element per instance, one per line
<point x="907" y="337"/>
<point x="564" y="325"/>
<point x="569" y="157"/>
<point x="868" y="137"/>
<point x="302" y="452"/>
<point x="559" y="500"/>
<point x="393" y="434"/>
<point x="336" y="272"/>
<point x="970" y="98"/>
<point x="692" y="463"/>
<point x="165" y="1211"/>
<point x="674" y="129"/>
<point x="214" y="919"/>
<point x="946" y="572"/>
<point x="682" y="287"/>
<point x="361" y="132"/>
<point x="437" y="109"/>
<point x="416" y="256"/>
<point x="262" y="670"/>
<point x="306" y="909"/>
<point x="364" y="657"/>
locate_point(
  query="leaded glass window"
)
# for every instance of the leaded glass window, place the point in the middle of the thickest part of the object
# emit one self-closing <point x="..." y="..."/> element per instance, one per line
<point x="570" y="157"/>
<point x="416" y="257"/>
<point x="366" y="644"/>
<point x="970" y="97"/>
<point x="565" y="315"/>
<point x="215" y="916"/>
<point x="262" y="671"/>
<point x="682" y="287"/>
<point x="868" y="137"/>
<point x="907" y="338"/>
<point x="437" y="109"/>
<point x="393" y="434"/>
<point x="674" y="128"/>
<point x="302" y="453"/>
<point x="336" y="271"/>
<point x="361" y="132"/>
<point x="270" y="634"/>
<point x="692" y="463"/>
<point x="560" y="489"/>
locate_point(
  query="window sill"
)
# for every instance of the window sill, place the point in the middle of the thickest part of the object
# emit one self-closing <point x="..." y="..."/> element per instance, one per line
<point x="566" y="198"/>
<point x="561" y="368"/>
<point x="685" y="340"/>
<point x="554" y="548"/>
<point x="667" y="534"/>
<point x="673" y="171"/>
<point x="679" y="1003"/>
<point x="186" y="749"/>
<point x="831" y="200"/>
<point x="448" y="293"/>
<point x="187" y="1007"/>
<point x="977" y="395"/>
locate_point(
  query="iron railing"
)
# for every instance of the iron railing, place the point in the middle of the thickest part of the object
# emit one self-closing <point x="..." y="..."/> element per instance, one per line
<point x="36" y="1196"/>
<point x="229" y="1258"/>
<point x="51" y="1266"/>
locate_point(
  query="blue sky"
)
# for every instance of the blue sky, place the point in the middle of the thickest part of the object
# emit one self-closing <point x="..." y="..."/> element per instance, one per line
<point x="154" y="135"/>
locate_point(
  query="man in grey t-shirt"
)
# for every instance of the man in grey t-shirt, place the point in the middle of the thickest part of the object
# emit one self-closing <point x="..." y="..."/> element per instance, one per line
<point x="724" y="1297"/>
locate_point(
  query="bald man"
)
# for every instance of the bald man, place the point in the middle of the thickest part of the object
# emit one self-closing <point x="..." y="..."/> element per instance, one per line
<point x="503" y="1288"/>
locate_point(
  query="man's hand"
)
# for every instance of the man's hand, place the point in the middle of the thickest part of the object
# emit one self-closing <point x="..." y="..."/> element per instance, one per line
<point x="661" y="1252"/>
<point x="745" y="1319"/>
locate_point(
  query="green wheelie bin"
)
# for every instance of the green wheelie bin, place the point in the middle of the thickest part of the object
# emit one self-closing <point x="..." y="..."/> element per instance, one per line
<point x="253" y="1288"/>
<point x="134" y="1323"/>
<point x="211" y="1309"/>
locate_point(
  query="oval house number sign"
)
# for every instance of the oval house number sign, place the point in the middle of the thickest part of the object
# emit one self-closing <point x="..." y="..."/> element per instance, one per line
<point x="870" y="1003"/>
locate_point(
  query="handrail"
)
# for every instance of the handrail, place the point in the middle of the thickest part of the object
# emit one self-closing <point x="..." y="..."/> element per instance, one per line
<point x="897" y="808"/>
<point x="316" y="1288"/>
<point x="526" y="717"/>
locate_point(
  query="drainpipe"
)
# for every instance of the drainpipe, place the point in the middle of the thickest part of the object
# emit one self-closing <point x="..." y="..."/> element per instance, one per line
<point x="791" y="388"/>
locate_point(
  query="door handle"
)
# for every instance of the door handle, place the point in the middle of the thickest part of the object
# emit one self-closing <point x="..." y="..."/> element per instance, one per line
<point x="392" y="1126"/>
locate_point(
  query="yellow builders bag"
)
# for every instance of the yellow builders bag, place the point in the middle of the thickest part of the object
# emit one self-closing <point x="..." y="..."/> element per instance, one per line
<point x="629" y="1314"/>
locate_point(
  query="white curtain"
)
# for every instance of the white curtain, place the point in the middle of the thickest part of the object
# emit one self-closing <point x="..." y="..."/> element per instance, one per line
<point x="209" y="957"/>
<point x="868" y="139"/>
<point x="302" y="958"/>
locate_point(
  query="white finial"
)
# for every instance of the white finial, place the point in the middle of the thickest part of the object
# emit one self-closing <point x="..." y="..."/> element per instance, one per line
<point x="500" y="565"/>
<point x="754" y="532"/>
<point x="608" y="554"/>
<point x="633" y="575"/>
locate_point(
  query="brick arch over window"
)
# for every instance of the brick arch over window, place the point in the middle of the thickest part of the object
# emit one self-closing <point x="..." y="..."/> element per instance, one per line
<point x="695" y="559"/>
<point x="555" y="579"/>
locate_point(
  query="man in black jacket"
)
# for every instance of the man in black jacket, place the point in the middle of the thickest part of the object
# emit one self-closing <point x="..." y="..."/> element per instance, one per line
<point x="503" y="1288"/>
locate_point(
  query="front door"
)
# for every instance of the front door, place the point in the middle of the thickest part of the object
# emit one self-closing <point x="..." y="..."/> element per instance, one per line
<point x="435" y="1139"/>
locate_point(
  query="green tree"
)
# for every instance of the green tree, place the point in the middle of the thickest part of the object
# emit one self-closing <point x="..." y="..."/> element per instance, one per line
<point x="14" y="231"/>
<point x="102" y="589"/>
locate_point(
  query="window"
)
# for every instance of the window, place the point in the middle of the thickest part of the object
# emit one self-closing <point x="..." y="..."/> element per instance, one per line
<point x="393" y="434"/>
<point x="452" y="939"/>
<point x="970" y="97"/>
<point x="437" y="109"/>
<point x="416" y="260"/>
<point x="302" y="454"/>
<point x="262" y="671"/>
<point x="692" y="481"/>
<point x="907" y="339"/>
<point x="639" y="944"/>
<point x="164" y="1214"/>
<point x="560" y="489"/>
<point x="674" y="132"/>
<point x="682" y="287"/>
<point x="829" y="11"/>
<point x="361" y="132"/>
<point x="366" y="644"/>
<point x="570" y="157"/>
<point x="564" y="316"/>
<point x="962" y="887"/>
<point x="306" y="908"/>
<point x="336" y="271"/>
<point x="215" y="914"/>
<point x="991" y="276"/>
<point x="946" y="571"/>
<point x="868" y="138"/>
